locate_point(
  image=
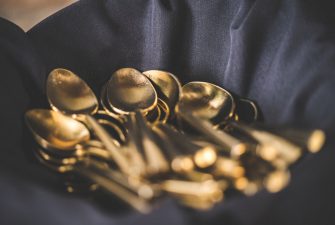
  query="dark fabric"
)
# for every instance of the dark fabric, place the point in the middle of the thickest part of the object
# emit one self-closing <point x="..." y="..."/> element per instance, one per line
<point x="280" y="53"/>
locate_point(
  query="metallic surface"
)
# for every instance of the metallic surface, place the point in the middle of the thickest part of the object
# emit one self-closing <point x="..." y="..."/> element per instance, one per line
<point x="129" y="90"/>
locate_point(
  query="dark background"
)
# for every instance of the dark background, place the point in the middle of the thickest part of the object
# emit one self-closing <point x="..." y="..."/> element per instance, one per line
<point x="280" y="53"/>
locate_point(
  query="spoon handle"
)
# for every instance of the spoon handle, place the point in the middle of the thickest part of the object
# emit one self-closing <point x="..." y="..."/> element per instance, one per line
<point x="207" y="189"/>
<point x="141" y="186"/>
<point x="229" y="143"/>
<point x="110" y="185"/>
<point x="106" y="139"/>
<point x="156" y="161"/>
<point x="309" y="139"/>
<point x="285" y="149"/>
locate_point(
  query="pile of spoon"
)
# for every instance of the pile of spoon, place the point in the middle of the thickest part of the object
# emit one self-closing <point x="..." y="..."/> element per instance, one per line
<point x="148" y="137"/>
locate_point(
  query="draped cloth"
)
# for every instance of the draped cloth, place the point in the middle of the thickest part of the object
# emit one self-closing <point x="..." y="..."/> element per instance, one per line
<point x="280" y="53"/>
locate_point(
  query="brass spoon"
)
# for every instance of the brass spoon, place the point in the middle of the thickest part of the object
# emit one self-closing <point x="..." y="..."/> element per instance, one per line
<point x="207" y="101"/>
<point x="95" y="174"/>
<point x="129" y="90"/>
<point x="71" y="95"/>
<point x="131" y="93"/>
<point x="158" y="113"/>
<point x="62" y="135"/>
<point x="52" y="129"/>
<point x="167" y="85"/>
<point x="202" y="104"/>
<point x="63" y="164"/>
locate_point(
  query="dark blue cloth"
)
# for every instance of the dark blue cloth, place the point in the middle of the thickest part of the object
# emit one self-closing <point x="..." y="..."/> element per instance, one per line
<point x="280" y="53"/>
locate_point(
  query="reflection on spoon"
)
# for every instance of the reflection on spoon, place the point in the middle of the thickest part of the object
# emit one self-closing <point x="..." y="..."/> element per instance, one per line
<point x="129" y="90"/>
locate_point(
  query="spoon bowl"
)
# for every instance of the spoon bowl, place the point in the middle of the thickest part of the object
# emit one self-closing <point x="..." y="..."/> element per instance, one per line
<point x="70" y="94"/>
<point x="129" y="90"/>
<point x="207" y="101"/>
<point x="167" y="85"/>
<point x="52" y="129"/>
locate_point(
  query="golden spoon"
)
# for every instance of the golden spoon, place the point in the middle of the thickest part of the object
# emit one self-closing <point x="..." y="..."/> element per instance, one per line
<point x="160" y="112"/>
<point x="71" y="95"/>
<point x="131" y="93"/>
<point x="207" y="101"/>
<point x="112" y="184"/>
<point x="167" y="85"/>
<point x="62" y="135"/>
<point x="129" y="90"/>
<point x="202" y="104"/>
<point x="52" y="129"/>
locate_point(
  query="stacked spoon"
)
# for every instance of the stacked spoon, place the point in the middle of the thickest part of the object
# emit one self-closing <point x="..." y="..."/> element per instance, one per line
<point x="150" y="137"/>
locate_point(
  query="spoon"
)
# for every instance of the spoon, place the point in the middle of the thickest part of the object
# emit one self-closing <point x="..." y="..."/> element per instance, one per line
<point x="207" y="101"/>
<point x="158" y="113"/>
<point x="63" y="164"/>
<point x="129" y="90"/>
<point x="106" y="106"/>
<point x="111" y="183"/>
<point x="52" y="129"/>
<point x="63" y="136"/>
<point x="131" y="93"/>
<point x="167" y="85"/>
<point x="71" y="95"/>
<point x="203" y="105"/>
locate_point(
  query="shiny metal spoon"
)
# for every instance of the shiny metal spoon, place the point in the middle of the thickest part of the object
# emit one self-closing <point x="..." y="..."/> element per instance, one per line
<point x="159" y="113"/>
<point x="71" y="95"/>
<point x="52" y="129"/>
<point x="167" y="85"/>
<point x="112" y="184"/>
<point x="203" y="105"/>
<point x="207" y="101"/>
<point x="62" y="135"/>
<point x="129" y="90"/>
